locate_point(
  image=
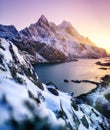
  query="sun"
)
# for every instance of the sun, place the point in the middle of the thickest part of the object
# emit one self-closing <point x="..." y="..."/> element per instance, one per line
<point x="108" y="50"/>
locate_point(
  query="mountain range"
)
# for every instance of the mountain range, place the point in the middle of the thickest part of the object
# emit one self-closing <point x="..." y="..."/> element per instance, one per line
<point x="46" y="42"/>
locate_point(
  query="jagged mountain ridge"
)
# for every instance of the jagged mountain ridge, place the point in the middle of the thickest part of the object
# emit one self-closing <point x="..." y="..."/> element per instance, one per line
<point x="26" y="103"/>
<point x="43" y="23"/>
<point x="67" y="26"/>
<point x="8" y="32"/>
<point x="48" y="42"/>
<point x="63" y="38"/>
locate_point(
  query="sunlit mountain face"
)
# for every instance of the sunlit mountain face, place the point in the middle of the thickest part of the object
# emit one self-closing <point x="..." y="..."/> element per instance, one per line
<point x="47" y="42"/>
<point x="108" y="50"/>
<point x="90" y="17"/>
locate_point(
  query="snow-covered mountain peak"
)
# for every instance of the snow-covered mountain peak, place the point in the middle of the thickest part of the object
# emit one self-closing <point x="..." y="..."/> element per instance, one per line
<point x="68" y="28"/>
<point x="43" y="19"/>
<point x="53" y="43"/>
<point x="65" y="24"/>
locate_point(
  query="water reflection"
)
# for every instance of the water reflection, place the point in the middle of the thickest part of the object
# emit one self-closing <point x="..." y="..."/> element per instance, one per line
<point x="83" y="69"/>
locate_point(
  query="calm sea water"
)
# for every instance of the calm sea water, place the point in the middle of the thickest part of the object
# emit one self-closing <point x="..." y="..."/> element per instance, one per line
<point x="83" y="69"/>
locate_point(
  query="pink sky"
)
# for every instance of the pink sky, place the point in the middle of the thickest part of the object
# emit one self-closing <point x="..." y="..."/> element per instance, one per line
<point x="90" y="17"/>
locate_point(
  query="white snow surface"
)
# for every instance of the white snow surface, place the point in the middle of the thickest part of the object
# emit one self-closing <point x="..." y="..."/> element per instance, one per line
<point x="99" y="95"/>
<point x="14" y="96"/>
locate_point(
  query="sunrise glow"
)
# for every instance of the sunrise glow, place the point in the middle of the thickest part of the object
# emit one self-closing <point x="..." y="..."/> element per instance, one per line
<point x="90" y="17"/>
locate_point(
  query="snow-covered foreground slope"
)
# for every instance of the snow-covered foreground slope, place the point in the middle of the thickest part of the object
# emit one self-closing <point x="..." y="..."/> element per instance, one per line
<point x="26" y="103"/>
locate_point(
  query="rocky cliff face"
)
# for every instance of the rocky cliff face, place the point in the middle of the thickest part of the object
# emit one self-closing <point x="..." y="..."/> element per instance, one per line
<point x="47" y="42"/>
<point x="26" y="103"/>
<point x="7" y="31"/>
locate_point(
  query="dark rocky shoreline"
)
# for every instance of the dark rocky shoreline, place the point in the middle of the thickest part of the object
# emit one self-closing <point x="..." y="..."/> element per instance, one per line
<point x="99" y="105"/>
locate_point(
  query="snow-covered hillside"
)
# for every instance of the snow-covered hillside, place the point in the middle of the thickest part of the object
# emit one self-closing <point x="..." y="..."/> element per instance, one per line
<point x="26" y="103"/>
<point x="47" y="42"/>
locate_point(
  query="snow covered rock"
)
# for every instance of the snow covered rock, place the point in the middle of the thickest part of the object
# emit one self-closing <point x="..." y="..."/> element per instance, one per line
<point x="99" y="98"/>
<point x="7" y="31"/>
<point x="26" y="103"/>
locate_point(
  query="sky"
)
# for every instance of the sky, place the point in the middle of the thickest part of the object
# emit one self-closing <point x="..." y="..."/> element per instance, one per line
<point x="91" y="18"/>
